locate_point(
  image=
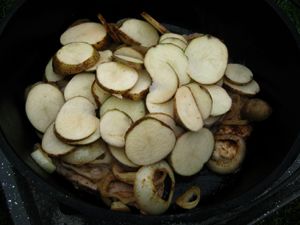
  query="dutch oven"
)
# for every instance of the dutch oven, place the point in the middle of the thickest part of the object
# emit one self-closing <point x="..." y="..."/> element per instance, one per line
<point x="256" y="34"/>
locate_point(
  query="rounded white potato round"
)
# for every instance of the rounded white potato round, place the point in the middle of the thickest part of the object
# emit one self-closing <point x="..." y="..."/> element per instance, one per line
<point x="120" y="156"/>
<point x="251" y="88"/>
<point x="105" y="56"/>
<point x="207" y="58"/>
<point x="43" y="104"/>
<point x="149" y="141"/>
<point x="172" y="35"/>
<point x="166" y="107"/>
<point x="238" y="74"/>
<point x="99" y="94"/>
<point x="43" y="160"/>
<point x="50" y="75"/>
<point x="174" y="41"/>
<point x="192" y="151"/>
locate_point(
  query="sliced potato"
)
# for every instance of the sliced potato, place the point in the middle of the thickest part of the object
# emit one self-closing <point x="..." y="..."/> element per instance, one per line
<point x="129" y="53"/>
<point x="76" y="120"/>
<point x="141" y="87"/>
<point x="174" y="41"/>
<point x="43" y="160"/>
<point x="115" y="77"/>
<point x="172" y="35"/>
<point x="221" y="101"/>
<point x="42" y="105"/>
<point x="88" y="32"/>
<point x="80" y="85"/>
<point x="166" y="107"/>
<point x="249" y="89"/>
<point x="149" y="141"/>
<point x="105" y="56"/>
<point x="113" y="127"/>
<point x="99" y="94"/>
<point x="50" y="75"/>
<point x="74" y="58"/>
<point x="186" y="110"/>
<point x="85" y="154"/>
<point x="238" y="74"/>
<point x="202" y="98"/>
<point x="52" y="145"/>
<point x="192" y="151"/>
<point x="119" y="207"/>
<point x="105" y="158"/>
<point x="140" y="31"/>
<point x="167" y="119"/>
<point x="162" y="29"/>
<point x="212" y="120"/>
<point x="121" y="157"/>
<point x="208" y="58"/>
<point x="135" y="109"/>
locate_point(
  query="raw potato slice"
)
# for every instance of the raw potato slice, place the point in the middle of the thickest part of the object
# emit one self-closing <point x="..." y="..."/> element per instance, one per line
<point x="186" y="110"/>
<point x="172" y="35"/>
<point x="113" y="127"/>
<point x="85" y="154"/>
<point x="105" y="56"/>
<point x="119" y="154"/>
<point x="202" y="98"/>
<point x="74" y="58"/>
<point x="149" y="141"/>
<point x="238" y="74"/>
<point x="140" y="31"/>
<point x="80" y="85"/>
<point x="76" y="120"/>
<point x="50" y="75"/>
<point x="134" y="109"/>
<point x="249" y="89"/>
<point x="116" y="77"/>
<point x="221" y="101"/>
<point x="167" y="107"/>
<point x="174" y="41"/>
<point x="88" y="32"/>
<point x="168" y="120"/>
<point x="192" y="151"/>
<point x="94" y="137"/>
<point x="141" y="87"/>
<point x="208" y="58"/>
<point x="167" y="66"/>
<point x="212" y="120"/>
<point x="130" y="54"/>
<point x="162" y="29"/>
<point x="52" y="145"/>
<point x="43" y="160"/>
<point x="42" y="105"/>
<point x="99" y="94"/>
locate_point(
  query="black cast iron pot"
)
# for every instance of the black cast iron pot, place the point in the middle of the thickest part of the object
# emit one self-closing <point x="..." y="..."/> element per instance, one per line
<point x="255" y="35"/>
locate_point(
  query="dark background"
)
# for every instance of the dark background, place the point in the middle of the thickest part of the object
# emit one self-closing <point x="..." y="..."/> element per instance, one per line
<point x="288" y="215"/>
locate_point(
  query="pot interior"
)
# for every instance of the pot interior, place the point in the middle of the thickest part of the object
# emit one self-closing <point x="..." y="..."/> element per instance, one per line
<point x="254" y="34"/>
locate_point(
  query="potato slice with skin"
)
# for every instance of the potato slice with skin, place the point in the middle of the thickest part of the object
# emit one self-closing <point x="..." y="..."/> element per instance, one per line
<point x="121" y="157"/>
<point x="50" y="75"/>
<point x="162" y="29"/>
<point x="221" y="101"/>
<point x="80" y="85"/>
<point x="192" y="151"/>
<point x="141" y="87"/>
<point x="202" y="98"/>
<point x="76" y="120"/>
<point x="43" y="160"/>
<point x="105" y="56"/>
<point x="135" y="109"/>
<point x="186" y="110"/>
<point x="238" y="74"/>
<point x="149" y="141"/>
<point x="212" y="120"/>
<point x="99" y="94"/>
<point x="113" y="127"/>
<point x="129" y="52"/>
<point x="43" y="104"/>
<point x="74" y="58"/>
<point x="172" y="35"/>
<point x="140" y="31"/>
<point x="168" y="120"/>
<point x="85" y="154"/>
<point x="166" y="107"/>
<point x="208" y="58"/>
<point x="115" y="77"/>
<point x="88" y="32"/>
<point x="174" y="41"/>
<point x="250" y="89"/>
<point x="52" y="145"/>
